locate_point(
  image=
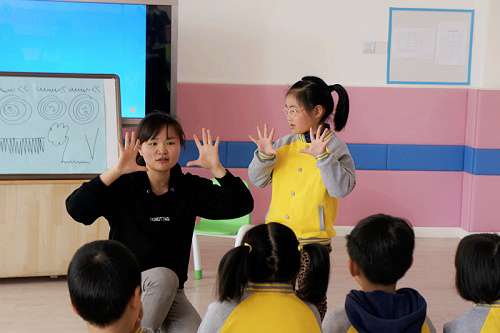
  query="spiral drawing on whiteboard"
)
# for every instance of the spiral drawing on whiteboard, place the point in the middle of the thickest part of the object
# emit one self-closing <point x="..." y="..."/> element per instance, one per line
<point x="51" y="108"/>
<point x="83" y="109"/>
<point x="22" y="146"/>
<point x="14" y="110"/>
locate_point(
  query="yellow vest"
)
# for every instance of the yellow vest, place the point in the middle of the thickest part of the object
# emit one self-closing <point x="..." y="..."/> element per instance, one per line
<point x="299" y="197"/>
<point x="272" y="308"/>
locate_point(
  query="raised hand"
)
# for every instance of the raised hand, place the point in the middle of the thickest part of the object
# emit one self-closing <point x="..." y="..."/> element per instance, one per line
<point x="128" y="153"/>
<point x="264" y="141"/>
<point x="208" y="154"/>
<point x="318" y="142"/>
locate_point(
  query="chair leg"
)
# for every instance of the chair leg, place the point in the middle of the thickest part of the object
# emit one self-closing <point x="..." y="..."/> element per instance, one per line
<point x="198" y="273"/>
<point x="241" y="232"/>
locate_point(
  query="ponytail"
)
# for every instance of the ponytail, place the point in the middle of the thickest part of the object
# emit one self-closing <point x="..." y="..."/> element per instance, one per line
<point x="316" y="279"/>
<point x="342" y="110"/>
<point x="232" y="276"/>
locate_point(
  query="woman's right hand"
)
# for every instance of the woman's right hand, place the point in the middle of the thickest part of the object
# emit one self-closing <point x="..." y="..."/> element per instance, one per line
<point x="128" y="153"/>
<point x="126" y="162"/>
<point x="264" y="141"/>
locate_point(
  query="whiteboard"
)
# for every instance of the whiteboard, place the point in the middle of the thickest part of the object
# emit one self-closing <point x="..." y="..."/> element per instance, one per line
<point x="430" y="46"/>
<point x="58" y="125"/>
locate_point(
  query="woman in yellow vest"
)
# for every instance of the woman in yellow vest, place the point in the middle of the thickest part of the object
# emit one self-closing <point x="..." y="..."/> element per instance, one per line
<point x="310" y="168"/>
<point x="256" y="285"/>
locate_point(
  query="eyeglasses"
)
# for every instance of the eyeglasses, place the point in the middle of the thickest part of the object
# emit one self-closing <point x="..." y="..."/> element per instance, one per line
<point x="291" y="112"/>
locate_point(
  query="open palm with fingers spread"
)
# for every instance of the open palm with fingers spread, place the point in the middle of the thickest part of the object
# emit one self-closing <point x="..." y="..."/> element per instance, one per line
<point x="264" y="141"/>
<point x="128" y="153"/>
<point x="208" y="151"/>
<point x="318" y="142"/>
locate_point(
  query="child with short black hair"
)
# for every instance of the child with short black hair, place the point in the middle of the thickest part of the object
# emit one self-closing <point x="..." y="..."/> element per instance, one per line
<point x="256" y="285"/>
<point x="477" y="263"/>
<point x="104" y="284"/>
<point x="380" y="249"/>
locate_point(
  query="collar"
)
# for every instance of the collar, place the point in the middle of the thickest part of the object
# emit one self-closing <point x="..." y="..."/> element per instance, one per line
<point x="285" y="288"/>
<point x="495" y="304"/>
<point x="175" y="176"/>
<point x="306" y="137"/>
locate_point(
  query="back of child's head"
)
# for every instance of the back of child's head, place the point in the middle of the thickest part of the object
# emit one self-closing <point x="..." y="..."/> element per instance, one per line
<point x="102" y="278"/>
<point x="382" y="247"/>
<point x="312" y="91"/>
<point x="477" y="264"/>
<point x="270" y="254"/>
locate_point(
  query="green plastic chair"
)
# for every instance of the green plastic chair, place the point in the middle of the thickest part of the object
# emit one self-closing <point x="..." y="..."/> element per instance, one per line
<point x="232" y="228"/>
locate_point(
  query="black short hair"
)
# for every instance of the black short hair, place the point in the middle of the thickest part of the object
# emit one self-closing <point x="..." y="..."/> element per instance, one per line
<point x="382" y="246"/>
<point x="153" y="123"/>
<point x="477" y="264"/>
<point x="102" y="278"/>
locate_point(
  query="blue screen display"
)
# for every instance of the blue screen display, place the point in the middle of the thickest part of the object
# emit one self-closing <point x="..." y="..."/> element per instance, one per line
<point x="69" y="37"/>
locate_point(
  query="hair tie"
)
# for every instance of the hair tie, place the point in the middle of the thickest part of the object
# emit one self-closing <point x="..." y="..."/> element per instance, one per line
<point x="249" y="247"/>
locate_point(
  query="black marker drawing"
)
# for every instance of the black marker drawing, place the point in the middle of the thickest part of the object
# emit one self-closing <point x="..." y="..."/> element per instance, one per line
<point x="83" y="109"/>
<point x="51" y="108"/>
<point x="14" y="110"/>
<point x="22" y="146"/>
<point x="92" y="146"/>
<point x="88" y="143"/>
<point x="58" y="134"/>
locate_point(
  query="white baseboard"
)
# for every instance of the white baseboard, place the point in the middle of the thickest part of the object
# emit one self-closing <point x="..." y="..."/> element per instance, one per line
<point x="420" y="232"/>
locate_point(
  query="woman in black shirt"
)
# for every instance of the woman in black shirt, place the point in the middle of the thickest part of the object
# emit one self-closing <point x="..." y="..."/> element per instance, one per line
<point x="151" y="207"/>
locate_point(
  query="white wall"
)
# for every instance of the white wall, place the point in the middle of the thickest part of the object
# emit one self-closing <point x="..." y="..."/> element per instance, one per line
<point x="491" y="68"/>
<point x="275" y="42"/>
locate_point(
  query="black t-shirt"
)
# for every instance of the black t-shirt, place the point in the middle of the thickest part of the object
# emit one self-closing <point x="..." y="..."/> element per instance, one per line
<point x="158" y="228"/>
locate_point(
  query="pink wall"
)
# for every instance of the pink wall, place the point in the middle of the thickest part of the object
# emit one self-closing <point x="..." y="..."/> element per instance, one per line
<point x="378" y="115"/>
<point x="488" y="119"/>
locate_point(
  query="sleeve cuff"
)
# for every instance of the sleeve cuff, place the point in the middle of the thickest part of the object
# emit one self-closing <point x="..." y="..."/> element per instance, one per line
<point x="323" y="156"/>
<point x="265" y="157"/>
<point x="97" y="183"/>
<point x="227" y="177"/>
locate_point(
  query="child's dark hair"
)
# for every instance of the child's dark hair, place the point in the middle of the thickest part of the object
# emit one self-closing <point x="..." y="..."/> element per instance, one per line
<point x="382" y="246"/>
<point x="270" y="253"/>
<point x="153" y="123"/>
<point x="311" y="91"/>
<point x="477" y="264"/>
<point x="102" y="278"/>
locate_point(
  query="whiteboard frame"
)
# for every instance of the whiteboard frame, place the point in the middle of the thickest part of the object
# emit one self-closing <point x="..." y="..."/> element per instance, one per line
<point x="445" y="82"/>
<point x="110" y="159"/>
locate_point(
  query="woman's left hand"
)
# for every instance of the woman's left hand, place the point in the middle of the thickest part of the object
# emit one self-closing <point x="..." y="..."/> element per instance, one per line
<point x="318" y="142"/>
<point x="208" y="154"/>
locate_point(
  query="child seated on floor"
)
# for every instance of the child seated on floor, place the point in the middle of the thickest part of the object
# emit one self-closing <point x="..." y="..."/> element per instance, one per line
<point x="477" y="279"/>
<point x="256" y="285"/>
<point x="380" y="250"/>
<point x="104" y="286"/>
